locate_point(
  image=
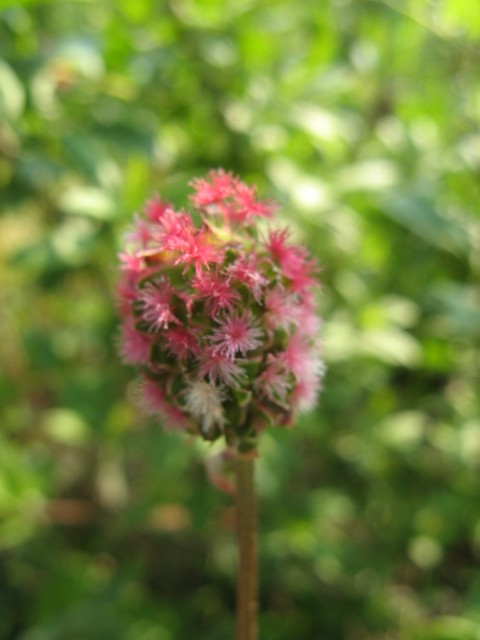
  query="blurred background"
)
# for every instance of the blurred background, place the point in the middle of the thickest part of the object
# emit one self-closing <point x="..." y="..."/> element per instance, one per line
<point x="362" y="120"/>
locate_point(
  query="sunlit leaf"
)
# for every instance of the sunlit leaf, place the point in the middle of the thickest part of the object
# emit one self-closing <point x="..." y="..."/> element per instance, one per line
<point x="12" y="95"/>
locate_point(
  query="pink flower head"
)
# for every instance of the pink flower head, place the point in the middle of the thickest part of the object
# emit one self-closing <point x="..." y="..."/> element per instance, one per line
<point x="223" y="327"/>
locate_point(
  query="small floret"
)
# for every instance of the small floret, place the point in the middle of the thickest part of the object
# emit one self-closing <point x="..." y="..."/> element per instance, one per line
<point x="245" y="270"/>
<point x="207" y="192"/>
<point x="204" y="402"/>
<point x="236" y="334"/>
<point x="180" y="342"/>
<point x="155" y="299"/>
<point x="155" y="402"/>
<point x="219" y="368"/>
<point x="216" y="290"/>
<point x="134" y="345"/>
<point x="274" y="382"/>
<point x="293" y="260"/>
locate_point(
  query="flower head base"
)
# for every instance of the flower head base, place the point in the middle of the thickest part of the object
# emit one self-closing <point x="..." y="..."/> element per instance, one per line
<point x="222" y="325"/>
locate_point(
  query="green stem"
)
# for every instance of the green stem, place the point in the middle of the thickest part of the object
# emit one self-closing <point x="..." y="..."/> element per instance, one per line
<point x="247" y="579"/>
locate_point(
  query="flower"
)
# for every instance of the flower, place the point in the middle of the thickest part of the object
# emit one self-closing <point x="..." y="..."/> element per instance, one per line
<point x="216" y="290"/>
<point x="246" y="271"/>
<point x="222" y="325"/>
<point x="220" y="187"/>
<point x="180" y="342"/>
<point x="220" y="368"/>
<point x="154" y="401"/>
<point x="274" y="383"/>
<point x="236" y="333"/>
<point x="204" y="401"/>
<point x="292" y="259"/>
<point x="228" y="196"/>
<point x="155" y="300"/>
<point x="134" y="345"/>
<point x="281" y="308"/>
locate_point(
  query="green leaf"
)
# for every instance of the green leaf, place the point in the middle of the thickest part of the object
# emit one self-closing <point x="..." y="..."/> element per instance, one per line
<point x="88" y="201"/>
<point x="12" y="94"/>
<point x="421" y="216"/>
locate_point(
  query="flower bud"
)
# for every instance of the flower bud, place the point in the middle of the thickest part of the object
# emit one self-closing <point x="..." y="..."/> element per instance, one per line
<point x="221" y="324"/>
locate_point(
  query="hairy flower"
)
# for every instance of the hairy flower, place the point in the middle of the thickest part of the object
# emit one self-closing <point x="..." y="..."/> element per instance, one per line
<point x="246" y="271"/>
<point x="220" y="368"/>
<point x="282" y="309"/>
<point x="273" y="382"/>
<point x="220" y="187"/>
<point x="134" y="346"/>
<point x="154" y="401"/>
<point x="292" y="259"/>
<point x="197" y="250"/>
<point x="236" y="333"/>
<point x="228" y="196"/>
<point x="223" y="326"/>
<point x="216" y="290"/>
<point x="155" y="299"/>
<point x="180" y="342"/>
<point x="131" y="263"/>
<point x="204" y="402"/>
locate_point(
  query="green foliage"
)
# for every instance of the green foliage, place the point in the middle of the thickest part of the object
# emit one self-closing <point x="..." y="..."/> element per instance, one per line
<point x="362" y="118"/>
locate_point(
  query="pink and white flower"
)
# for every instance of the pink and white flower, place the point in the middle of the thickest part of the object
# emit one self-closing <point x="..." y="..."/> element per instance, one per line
<point x="274" y="382"/>
<point x="180" y="342"/>
<point x="216" y="290"/>
<point x="282" y="308"/>
<point x="204" y="402"/>
<point x="236" y="333"/>
<point x="155" y="301"/>
<point x="154" y="401"/>
<point x="292" y="259"/>
<point x="134" y="345"/>
<point x="219" y="368"/>
<point x="246" y="271"/>
<point x="220" y="187"/>
<point x="224" y="327"/>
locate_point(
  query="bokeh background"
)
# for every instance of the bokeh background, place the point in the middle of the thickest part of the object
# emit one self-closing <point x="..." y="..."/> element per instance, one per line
<point x="362" y="119"/>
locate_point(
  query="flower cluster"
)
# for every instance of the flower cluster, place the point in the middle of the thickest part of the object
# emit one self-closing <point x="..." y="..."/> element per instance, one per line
<point x="222" y="325"/>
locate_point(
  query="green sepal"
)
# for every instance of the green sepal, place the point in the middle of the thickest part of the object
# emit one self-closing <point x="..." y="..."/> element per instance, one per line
<point x="176" y="385"/>
<point x="213" y="434"/>
<point x="280" y="338"/>
<point x="158" y="355"/>
<point x="243" y="397"/>
<point x="252" y="367"/>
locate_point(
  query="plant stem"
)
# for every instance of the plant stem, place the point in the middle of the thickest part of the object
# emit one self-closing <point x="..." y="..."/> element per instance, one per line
<point x="247" y="580"/>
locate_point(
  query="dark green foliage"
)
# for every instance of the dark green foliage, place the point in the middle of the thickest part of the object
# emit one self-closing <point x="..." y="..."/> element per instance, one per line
<point x="362" y="119"/>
